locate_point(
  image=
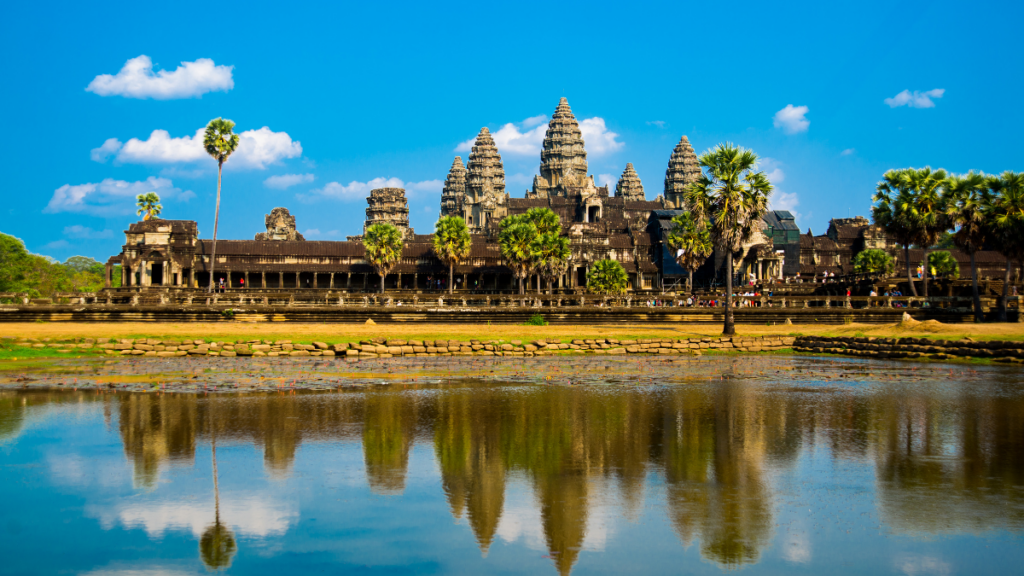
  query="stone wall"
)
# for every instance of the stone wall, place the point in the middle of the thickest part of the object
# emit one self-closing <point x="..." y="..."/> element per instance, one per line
<point x="999" y="350"/>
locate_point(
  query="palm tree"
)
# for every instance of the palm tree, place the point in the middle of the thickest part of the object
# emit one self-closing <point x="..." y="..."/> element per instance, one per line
<point x="217" y="544"/>
<point x="966" y="197"/>
<point x="552" y="253"/>
<point x="383" y="244"/>
<point x="149" y="204"/>
<point x="544" y="219"/>
<point x="516" y="241"/>
<point x="607" y="277"/>
<point x="451" y="243"/>
<point x="1005" y="215"/>
<point x="219" y="142"/>
<point x="926" y="209"/>
<point x="691" y="243"/>
<point x="732" y="198"/>
<point x="892" y="195"/>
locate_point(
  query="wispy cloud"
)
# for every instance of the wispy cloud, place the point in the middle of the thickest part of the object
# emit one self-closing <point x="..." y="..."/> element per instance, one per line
<point x="526" y="138"/>
<point x="847" y="152"/>
<point x="86" y="233"/>
<point x="792" y="119"/>
<point x="658" y="123"/>
<point x="915" y="99"/>
<point x="190" y="80"/>
<point x="257" y="149"/>
<point x="358" y="191"/>
<point x="285" y="181"/>
<point x="111" y="197"/>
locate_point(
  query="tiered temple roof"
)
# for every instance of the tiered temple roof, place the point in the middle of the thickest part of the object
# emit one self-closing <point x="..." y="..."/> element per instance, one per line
<point x="629" y="186"/>
<point x="563" y="159"/>
<point x="485" y="185"/>
<point x="388" y="205"/>
<point x="683" y="170"/>
<point x="454" y="189"/>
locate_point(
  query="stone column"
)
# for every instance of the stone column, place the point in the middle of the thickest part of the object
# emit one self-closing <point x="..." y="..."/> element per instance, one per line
<point x="107" y="271"/>
<point x="332" y="281"/>
<point x="364" y="281"/>
<point x="280" y="279"/>
<point x="263" y="280"/>
<point x="314" y="280"/>
<point x="227" y="281"/>
<point x="192" y="276"/>
<point x="399" y="284"/>
<point x="348" y="280"/>
<point x="416" y="281"/>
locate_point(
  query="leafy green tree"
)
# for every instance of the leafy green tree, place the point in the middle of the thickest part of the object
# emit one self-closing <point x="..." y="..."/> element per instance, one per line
<point x="552" y="253"/>
<point x="607" y="277"/>
<point x="892" y="198"/>
<point x="1005" y="215"/>
<point x="873" y="261"/>
<point x="452" y="243"/>
<point x="383" y="244"/>
<point x="15" y="263"/>
<point x="967" y="197"/>
<point x="926" y="208"/>
<point x="691" y="242"/>
<point x="544" y="219"/>
<point x="149" y="204"/>
<point x="517" y="242"/>
<point x="220" y="142"/>
<point x="732" y="197"/>
<point x="84" y="264"/>
<point x="941" y="264"/>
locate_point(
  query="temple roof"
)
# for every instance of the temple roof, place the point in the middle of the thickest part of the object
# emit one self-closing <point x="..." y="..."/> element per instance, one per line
<point x="563" y="150"/>
<point x="683" y="169"/>
<point x="629" y="185"/>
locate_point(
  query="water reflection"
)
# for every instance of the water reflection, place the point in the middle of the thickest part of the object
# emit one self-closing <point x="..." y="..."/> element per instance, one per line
<point x="947" y="456"/>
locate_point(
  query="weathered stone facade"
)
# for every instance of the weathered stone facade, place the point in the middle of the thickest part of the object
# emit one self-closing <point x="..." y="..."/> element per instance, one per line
<point x="454" y="191"/>
<point x="629" y="186"/>
<point x="683" y="170"/>
<point x="280" y="226"/>
<point x="484" y="204"/>
<point x="563" y="158"/>
<point x="388" y="205"/>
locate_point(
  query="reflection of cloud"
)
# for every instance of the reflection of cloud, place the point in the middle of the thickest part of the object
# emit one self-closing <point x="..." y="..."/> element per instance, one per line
<point x="797" y="548"/>
<point x="139" y="572"/>
<point x="520" y="518"/>
<point x="603" y="513"/>
<point x="914" y="565"/>
<point x="253" y="515"/>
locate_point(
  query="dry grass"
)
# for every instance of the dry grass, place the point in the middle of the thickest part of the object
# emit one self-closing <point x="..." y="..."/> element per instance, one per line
<point x="354" y="332"/>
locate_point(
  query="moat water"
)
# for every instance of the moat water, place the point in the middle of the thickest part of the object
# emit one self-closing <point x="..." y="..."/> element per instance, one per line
<point x="768" y="464"/>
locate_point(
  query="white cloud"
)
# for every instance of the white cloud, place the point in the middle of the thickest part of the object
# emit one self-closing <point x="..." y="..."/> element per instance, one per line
<point x="109" y="147"/>
<point x="658" y="123"/>
<point x="256" y="149"/>
<point x="84" y="232"/>
<point x="424" y="188"/>
<point x="527" y="137"/>
<point x="253" y="515"/>
<point x="111" y="197"/>
<point x="847" y="152"/>
<point x="607" y="179"/>
<point x="311" y="232"/>
<point x="285" y="181"/>
<point x="773" y="170"/>
<point x="785" y="201"/>
<point x="791" y="119"/>
<point x="57" y="245"/>
<point x="597" y="138"/>
<point x="518" y="179"/>
<point x="190" y="80"/>
<point x="358" y="191"/>
<point x="915" y="99"/>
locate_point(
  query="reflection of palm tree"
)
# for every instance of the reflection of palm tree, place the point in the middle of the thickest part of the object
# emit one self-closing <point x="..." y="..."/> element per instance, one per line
<point x="217" y="546"/>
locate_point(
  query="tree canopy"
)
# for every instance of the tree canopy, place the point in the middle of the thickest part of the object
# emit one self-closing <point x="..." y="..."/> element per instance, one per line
<point x="873" y="261"/>
<point x="35" y="275"/>
<point x="383" y="244"/>
<point x="452" y="243"/>
<point x="607" y="277"/>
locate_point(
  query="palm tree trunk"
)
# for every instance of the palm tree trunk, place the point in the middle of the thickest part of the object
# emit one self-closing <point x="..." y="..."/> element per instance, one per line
<point x="216" y="220"/>
<point x="925" y="268"/>
<point x="540" y="289"/>
<point x="1004" y="314"/>
<point x="730" y="326"/>
<point x="382" y="275"/>
<point x="689" y="283"/>
<point x="910" y="280"/>
<point x="213" y="451"/>
<point x="974" y="291"/>
<point x="451" y="276"/>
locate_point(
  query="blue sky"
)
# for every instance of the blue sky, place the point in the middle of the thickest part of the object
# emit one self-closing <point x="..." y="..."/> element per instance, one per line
<point x="100" y="102"/>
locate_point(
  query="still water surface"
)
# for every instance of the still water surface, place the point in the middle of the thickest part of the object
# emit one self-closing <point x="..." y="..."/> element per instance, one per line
<point x="802" y="466"/>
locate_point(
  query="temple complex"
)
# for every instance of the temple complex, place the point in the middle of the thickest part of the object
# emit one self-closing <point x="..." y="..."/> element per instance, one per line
<point x="625" y="227"/>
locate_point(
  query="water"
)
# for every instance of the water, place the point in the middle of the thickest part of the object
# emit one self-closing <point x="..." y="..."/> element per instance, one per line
<point x="773" y="465"/>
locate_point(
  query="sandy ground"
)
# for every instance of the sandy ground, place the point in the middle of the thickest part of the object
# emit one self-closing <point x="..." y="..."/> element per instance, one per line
<point x="354" y="332"/>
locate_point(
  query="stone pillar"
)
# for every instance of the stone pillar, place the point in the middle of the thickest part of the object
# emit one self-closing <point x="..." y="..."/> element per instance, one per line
<point x="227" y="281"/>
<point x="364" y="281"/>
<point x="280" y="279"/>
<point x="332" y="281"/>
<point x="348" y="280"/>
<point x="415" y="281"/>
<point x="399" y="284"/>
<point x="107" y="271"/>
<point x="314" y="280"/>
<point x="263" y="280"/>
<point x="465" y="281"/>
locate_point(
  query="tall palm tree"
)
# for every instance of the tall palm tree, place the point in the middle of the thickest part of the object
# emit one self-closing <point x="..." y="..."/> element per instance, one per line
<point x="1005" y="215"/>
<point x="452" y="243"/>
<point x="383" y="244"/>
<point x="545" y="220"/>
<point x="691" y="243"/>
<point x="148" y="204"/>
<point x="516" y="241"/>
<point x="217" y="544"/>
<point x="892" y="196"/>
<point x="219" y="142"/>
<point x="732" y="197"/>
<point x="926" y="209"/>
<point x="966" y="197"/>
<point x="552" y="253"/>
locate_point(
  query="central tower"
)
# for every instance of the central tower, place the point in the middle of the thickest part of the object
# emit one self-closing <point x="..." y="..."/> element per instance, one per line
<point x="563" y="159"/>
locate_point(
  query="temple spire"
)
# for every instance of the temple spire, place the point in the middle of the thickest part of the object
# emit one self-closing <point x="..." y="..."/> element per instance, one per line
<point x="629" y="186"/>
<point x="485" y="197"/>
<point x="683" y="170"/>
<point x="454" y="192"/>
<point x="563" y="159"/>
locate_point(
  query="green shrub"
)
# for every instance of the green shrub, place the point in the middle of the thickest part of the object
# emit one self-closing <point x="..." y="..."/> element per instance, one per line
<point x="536" y="320"/>
<point x="873" y="262"/>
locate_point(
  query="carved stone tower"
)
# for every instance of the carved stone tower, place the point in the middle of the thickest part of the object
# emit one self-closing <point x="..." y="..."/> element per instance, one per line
<point x="280" y="226"/>
<point x="683" y="170"/>
<point x="388" y="205"/>
<point x="629" y="186"/>
<point x="485" y="202"/>
<point x="454" y="189"/>
<point x="563" y="159"/>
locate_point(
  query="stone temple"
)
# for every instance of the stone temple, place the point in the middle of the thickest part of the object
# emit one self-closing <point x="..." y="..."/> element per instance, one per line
<point x="624" y="226"/>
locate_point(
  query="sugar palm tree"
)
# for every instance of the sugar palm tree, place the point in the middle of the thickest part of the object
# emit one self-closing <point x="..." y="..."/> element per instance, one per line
<point x="607" y="277"/>
<point x="516" y="241"/>
<point x="148" y="204"/>
<point x="544" y="219"/>
<point x="691" y="243"/>
<point x="220" y="141"/>
<point x="926" y="208"/>
<point x="383" y="244"/>
<point x="551" y="253"/>
<point x="1005" y="215"/>
<point x="892" y="196"/>
<point x="732" y="197"/>
<point x="217" y="544"/>
<point x="966" y="197"/>
<point x="452" y="243"/>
